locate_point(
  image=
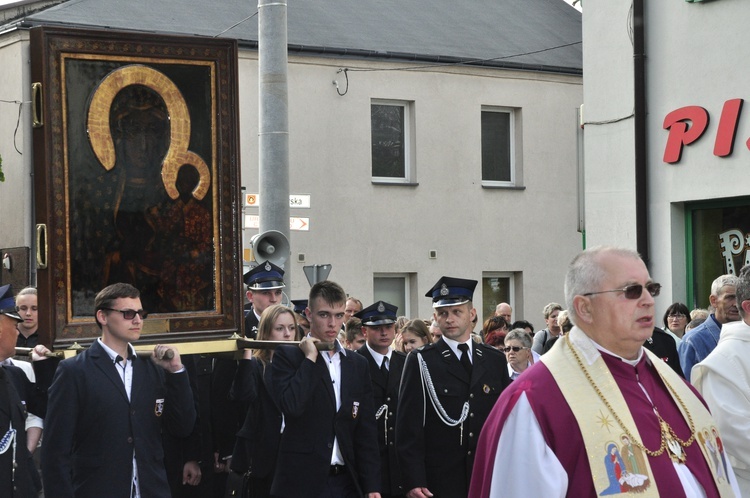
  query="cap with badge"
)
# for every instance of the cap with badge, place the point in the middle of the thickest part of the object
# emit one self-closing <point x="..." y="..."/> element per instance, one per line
<point x="450" y="291"/>
<point x="265" y="276"/>
<point x="379" y="313"/>
<point x="8" y="303"/>
<point x="299" y="306"/>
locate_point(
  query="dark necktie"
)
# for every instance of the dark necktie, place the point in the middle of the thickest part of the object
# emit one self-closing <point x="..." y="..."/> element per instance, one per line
<point x="384" y="367"/>
<point x="465" y="361"/>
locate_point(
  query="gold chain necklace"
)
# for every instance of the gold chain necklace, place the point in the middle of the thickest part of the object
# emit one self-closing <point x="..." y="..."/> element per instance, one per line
<point x="669" y="440"/>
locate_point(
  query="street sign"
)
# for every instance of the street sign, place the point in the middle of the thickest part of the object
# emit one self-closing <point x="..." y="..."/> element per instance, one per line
<point x="295" y="200"/>
<point x="300" y="224"/>
<point x="295" y="223"/>
<point x="316" y="273"/>
<point x="252" y="221"/>
<point x="251" y="200"/>
<point x="299" y="201"/>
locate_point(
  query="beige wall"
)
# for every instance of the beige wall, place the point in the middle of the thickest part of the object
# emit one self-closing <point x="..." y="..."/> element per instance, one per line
<point x="362" y="229"/>
<point x="15" y="193"/>
<point x="695" y="56"/>
<point x="609" y="148"/>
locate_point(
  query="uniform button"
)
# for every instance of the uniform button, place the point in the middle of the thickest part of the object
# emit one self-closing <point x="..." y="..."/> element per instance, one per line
<point x="390" y="428"/>
<point x="390" y="444"/>
<point x="445" y="391"/>
<point x="388" y="398"/>
<point x="471" y="396"/>
<point x="390" y="414"/>
<point x="130" y="440"/>
<point x="330" y="445"/>
<point x="471" y="434"/>
<point x="471" y="415"/>
<point x="469" y="453"/>
<point x="132" y="412"/>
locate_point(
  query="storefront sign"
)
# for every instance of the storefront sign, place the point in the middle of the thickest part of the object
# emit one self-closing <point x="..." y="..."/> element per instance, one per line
<point x="733" y="243"/>
<point x="687" y="124"/>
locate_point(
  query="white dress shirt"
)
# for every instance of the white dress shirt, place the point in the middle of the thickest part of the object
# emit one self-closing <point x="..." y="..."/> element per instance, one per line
<point x="454" y="347"/>
<point x="125" y="370"/>
<point x="333" y="360"/>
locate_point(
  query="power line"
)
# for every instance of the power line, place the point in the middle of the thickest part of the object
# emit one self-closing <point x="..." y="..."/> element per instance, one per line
<point x="468" y="61"/>
<point x="237" y="24"/>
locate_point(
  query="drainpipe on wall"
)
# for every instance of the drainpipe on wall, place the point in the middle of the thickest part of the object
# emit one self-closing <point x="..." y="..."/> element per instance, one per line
<point x="641" y="156"/>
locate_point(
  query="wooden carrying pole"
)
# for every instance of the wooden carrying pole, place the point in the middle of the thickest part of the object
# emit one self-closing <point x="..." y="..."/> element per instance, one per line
<point x="232" y="345"/>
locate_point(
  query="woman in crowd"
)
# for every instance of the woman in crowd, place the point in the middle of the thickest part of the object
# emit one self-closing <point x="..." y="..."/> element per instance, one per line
<point x="564" y="323"/>
<point x="494" y="323"/>
<point x="551" y="311"/>
<point x="254" y="457"/>
<point x="414" y="335"/>
<point x="398" y="343"/>
<point x="517" y="352"/>
<point x="494" y="331"/>
<point x="676" y="319"/>
<point x="663" y="343"/>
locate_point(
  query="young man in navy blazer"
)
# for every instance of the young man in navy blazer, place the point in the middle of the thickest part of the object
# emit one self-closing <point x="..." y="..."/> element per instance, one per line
<point x="108" y="407"/>
<point x="329" y="445"/>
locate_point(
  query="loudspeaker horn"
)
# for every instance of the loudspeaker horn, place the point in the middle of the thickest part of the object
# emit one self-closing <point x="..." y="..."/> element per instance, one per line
<point x="272" y="246"/>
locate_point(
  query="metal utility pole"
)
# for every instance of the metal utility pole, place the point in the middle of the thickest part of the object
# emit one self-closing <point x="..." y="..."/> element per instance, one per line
<point x="273" y="117"/>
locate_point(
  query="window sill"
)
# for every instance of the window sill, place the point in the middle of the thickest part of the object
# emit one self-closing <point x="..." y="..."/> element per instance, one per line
<point x="504" y="187"/>
<point x="394" y="184"/>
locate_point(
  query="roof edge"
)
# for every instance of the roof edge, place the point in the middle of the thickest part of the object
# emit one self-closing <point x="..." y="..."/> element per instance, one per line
<point x="438" y="60"/>
<point x="351" y="53"/>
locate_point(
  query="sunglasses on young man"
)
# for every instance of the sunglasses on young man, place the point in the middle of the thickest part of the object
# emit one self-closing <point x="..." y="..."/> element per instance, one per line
<point x="129" y="314"/>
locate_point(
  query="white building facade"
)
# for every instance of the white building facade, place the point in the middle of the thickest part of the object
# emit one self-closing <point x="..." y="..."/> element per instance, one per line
<point x="696" y="202"/>
<point x="392" y="238"/>
<point x="484" y="184"/>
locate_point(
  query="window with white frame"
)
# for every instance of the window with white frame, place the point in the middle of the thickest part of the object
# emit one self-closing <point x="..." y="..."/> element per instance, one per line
<point x="498" y="146"/>
<point x="497" y="287"/>
<point x="392" y="148"/>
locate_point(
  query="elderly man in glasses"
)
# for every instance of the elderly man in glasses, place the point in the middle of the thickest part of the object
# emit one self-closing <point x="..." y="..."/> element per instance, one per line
<point x="600" y="414"/>
<point x="108" y="408"/>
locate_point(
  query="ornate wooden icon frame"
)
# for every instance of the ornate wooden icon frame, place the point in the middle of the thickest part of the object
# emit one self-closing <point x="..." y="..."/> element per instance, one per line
<point x="83" y="192"/>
